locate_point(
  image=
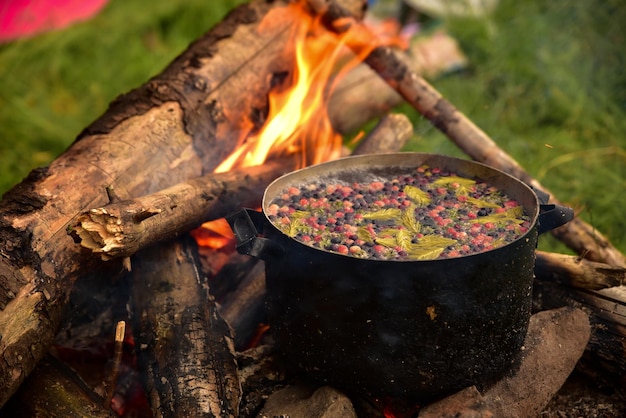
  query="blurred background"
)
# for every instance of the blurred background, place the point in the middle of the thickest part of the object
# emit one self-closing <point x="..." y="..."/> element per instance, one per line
<point x="545" y="80"/>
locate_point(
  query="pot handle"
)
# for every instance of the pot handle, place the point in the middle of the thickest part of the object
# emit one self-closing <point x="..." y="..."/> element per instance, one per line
<point x="248" y="225"/>
<point x="553" y="216"/>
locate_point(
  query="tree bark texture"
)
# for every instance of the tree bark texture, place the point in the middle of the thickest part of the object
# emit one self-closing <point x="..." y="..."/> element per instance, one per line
<point x="177" y="126"/>
<point x="54" y="390"/>
<point x="185" y="346"/>
<point x="577" y="272"/>
<point x="120" y="229"/>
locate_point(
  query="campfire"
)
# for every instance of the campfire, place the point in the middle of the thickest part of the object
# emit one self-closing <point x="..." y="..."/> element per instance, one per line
<point x="119" y="275"/>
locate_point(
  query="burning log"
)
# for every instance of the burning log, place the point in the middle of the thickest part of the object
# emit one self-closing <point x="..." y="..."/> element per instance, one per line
<point x="260" y="376"/>
<point x="244" y="309"/>
<point x="179" y="125"/>
<point x="228" y="278"/>
<point x="352" y="103"/>
<point x="55" y="389"/>
<point x="120" y="229"/>
<point x="185" y="346"/>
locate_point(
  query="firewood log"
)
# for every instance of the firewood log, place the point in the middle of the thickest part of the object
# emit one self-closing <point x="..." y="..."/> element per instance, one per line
<point x="54" y="390"/>
<point x="184" y="345"/>
<point x="577" y="272"/>
<point x="120" y="229"/>
<point x="177" y="126"/>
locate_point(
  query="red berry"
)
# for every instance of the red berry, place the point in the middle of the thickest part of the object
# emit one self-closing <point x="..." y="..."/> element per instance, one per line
<point x="355" y="249"/>
<point x="342" y="249"/>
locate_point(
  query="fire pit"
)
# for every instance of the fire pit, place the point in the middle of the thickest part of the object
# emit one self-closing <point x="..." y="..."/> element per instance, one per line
<point x="172" y="154"/>
<point x="413" y="329"/>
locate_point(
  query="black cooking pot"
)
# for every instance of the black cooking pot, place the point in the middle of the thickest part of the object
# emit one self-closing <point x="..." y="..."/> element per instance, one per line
<point x="412" y="329"/>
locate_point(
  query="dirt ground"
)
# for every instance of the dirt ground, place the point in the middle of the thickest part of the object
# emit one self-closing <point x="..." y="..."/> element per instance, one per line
<point x="581" y="398"/>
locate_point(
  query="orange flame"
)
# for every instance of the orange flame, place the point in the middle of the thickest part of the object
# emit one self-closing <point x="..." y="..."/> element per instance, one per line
<point x="298" y="123"/>
<point x="214" y="234"/>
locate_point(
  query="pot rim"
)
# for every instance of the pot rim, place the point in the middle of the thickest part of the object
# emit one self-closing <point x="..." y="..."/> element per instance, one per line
<point x="348" y="164"/>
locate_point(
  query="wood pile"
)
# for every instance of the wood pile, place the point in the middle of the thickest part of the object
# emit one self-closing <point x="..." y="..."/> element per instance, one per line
<point x="109" y="220"/>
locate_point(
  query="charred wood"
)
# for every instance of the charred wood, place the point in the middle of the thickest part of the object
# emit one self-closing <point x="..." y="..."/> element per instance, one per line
<point x="120" y="229"/>
<point x="390" y="134"/>
<point x="177" y="126"/>
<point x="54" y="390"/>
<point x="261" y="375"/>
<point x="577" y="272"/>
<point x="244" y="308"/>
<point x="230" y="276"/>
<point x="184" y="345"/>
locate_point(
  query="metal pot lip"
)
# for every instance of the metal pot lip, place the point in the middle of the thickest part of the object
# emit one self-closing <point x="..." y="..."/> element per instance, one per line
<point x="349" y="161"/>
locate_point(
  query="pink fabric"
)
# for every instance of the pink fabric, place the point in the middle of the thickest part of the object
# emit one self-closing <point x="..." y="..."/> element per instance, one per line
<point x="20" y="18"/>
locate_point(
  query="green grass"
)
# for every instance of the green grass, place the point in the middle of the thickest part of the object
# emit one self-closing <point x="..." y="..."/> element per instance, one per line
<point x="545" y="81"/>
<point x="54" y="85"/>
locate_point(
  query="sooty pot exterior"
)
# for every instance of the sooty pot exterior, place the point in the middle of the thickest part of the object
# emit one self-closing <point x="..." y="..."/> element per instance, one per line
<point x="417" y="330"/>
<point x="412" y="329"/>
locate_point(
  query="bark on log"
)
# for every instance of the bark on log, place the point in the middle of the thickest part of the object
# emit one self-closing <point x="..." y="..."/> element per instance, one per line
<point x="156" y="136"/>
<point x="577" y="272"/>
<point x="261" y="375"/>
<point x="185" y="347"/>
<point x="54" y="390"/>
<point x="121" y="229"/>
